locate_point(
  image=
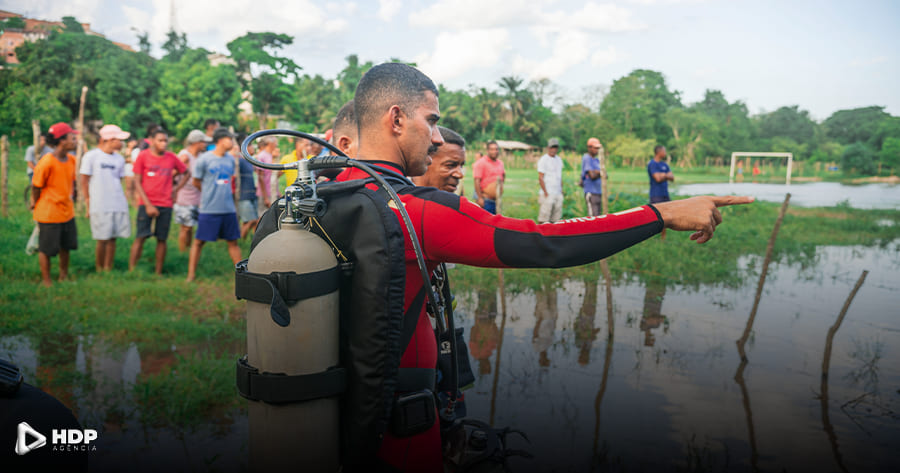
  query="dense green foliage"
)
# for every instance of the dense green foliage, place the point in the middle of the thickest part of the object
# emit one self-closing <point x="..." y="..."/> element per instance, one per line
<point x="637" y="111"/>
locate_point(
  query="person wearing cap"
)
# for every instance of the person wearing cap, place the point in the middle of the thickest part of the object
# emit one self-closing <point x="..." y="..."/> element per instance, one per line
<point x="154" y="171"/>
<point x="52" y="186"/>
<point x="213" y="174"/>
<point x="187" y="201"/>
<point x="591" y="177"/>
<point x="550" y="178"/>
<point x="102" y="171"/>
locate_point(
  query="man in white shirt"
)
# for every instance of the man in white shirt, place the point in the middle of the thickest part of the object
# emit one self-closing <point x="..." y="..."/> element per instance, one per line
<point x="550" y="178"/>
<point x="102" y="171"/>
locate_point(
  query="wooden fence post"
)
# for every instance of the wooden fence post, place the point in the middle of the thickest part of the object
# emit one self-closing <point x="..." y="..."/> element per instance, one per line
<point x="80" y="150"/>
<point x="4" y="177"/>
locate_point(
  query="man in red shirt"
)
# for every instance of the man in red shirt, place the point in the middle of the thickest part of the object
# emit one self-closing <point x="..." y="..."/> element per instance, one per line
<point x="397" y="113"/>
<point x="488" y="172"/>
<point x="154" y="171"/>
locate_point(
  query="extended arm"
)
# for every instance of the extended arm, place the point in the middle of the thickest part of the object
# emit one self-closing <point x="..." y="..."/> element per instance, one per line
<point x="482" y="239"/>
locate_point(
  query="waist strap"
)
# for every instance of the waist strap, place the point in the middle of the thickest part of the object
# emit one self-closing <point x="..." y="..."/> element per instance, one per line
<point x="280" y="388"/>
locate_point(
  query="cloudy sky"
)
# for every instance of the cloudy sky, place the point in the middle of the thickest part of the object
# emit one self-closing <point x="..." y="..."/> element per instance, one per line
<point x="821" y="55"/>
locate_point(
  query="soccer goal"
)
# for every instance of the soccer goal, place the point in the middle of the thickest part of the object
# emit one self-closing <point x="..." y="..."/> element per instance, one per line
<point x="738" y="154"/>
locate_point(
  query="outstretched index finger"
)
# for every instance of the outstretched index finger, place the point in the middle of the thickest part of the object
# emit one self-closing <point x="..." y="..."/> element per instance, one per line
<point x="723" y="200"/>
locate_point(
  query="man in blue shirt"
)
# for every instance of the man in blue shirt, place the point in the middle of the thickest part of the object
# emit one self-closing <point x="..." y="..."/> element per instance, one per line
<point x="591" y="177"/>
<point x="212" y="174"/>
<point x="660" y="175"/>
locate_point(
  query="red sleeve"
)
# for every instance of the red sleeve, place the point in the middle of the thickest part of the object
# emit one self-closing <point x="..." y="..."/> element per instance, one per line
<point x="456" y="231"/>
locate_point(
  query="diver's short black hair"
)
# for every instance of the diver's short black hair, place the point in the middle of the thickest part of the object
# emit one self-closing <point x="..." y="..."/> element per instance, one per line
<point x="345" y="119"/>
<point x="657" y="148"/>
<point x="388" y="84"/>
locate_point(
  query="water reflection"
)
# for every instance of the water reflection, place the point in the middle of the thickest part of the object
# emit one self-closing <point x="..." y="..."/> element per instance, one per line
<point x="590" y="410"/>
<point x="546" y="313"/>
<point x="585" y="333"/>
<point x="484" y="334"/>
<point x="826" y="363"/>
<point x="652" y="317"/>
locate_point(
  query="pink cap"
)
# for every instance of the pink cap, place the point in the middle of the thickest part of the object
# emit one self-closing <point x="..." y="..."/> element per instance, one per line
<point x="109" y="132"/>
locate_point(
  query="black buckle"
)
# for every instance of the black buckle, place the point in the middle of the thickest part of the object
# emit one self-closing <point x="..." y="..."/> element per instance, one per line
<point x="244" y="373"/>
<point x="10" y="378"/>
<point x="413" y="413"/>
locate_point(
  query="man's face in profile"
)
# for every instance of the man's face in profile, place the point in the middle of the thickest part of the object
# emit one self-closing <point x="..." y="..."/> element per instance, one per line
<point x="421" y="132"/>
<point x="446" y="169"/>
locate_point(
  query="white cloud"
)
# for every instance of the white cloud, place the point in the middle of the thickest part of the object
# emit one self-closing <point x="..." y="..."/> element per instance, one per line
<point x="606" y="57"/>
<point x="570" y="48"/>
<point x="388" y="8"/>
<point x="229" y="19"/>
<point x="594" y="17"/>
<point x="479" y="14"/>
<point x="456" y="53"/>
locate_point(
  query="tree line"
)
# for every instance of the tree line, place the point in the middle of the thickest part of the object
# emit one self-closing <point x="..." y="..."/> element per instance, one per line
<point x="187" y="85"/>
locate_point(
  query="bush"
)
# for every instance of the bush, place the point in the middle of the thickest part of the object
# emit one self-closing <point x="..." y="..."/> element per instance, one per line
<point x="858" y="158"/>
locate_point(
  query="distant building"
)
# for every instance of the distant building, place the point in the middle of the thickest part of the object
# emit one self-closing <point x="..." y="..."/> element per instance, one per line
<point x="34" y="30"/>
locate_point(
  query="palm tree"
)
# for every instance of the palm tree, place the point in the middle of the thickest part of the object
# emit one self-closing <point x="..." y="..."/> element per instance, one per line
<point x="511" y="85"/>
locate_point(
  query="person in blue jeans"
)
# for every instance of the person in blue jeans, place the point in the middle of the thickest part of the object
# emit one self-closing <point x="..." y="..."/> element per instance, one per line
<point x="660" y="175"/>
<point x="212" y="174"/>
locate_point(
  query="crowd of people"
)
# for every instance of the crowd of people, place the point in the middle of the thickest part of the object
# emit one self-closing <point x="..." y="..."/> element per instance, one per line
<point x="209" y="191"/>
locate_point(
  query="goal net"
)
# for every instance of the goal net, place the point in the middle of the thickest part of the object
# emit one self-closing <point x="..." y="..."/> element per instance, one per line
<point x="748" y="171"/>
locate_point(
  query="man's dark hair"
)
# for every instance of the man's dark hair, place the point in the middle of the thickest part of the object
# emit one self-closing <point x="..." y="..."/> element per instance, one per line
<point x="53" y="141"/>
<point x="657" y="148"/>
<point x="489" y="143"/>
<point x="389" y="84"/>
<point x="210" y="122"/>
<point x="345" y="118"/>
<point x="157" y="131"/>
<point x="452" y="137"/>
<point x="151" y="128"/>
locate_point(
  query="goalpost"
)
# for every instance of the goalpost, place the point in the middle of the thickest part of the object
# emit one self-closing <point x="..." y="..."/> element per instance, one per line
<point x="740" y="154"/>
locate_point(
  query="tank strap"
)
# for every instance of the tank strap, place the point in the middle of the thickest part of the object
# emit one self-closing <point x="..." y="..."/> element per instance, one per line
<point x="281" y="289"/>
<point x="280" y="388"/>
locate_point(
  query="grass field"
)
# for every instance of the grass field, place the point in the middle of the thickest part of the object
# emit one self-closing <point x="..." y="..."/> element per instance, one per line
<point x="156" y="312"/>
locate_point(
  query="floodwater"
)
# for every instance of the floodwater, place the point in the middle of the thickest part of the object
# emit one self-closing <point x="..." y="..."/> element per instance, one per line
<point x="812" y="194"/>
<point x="655" y="384"/>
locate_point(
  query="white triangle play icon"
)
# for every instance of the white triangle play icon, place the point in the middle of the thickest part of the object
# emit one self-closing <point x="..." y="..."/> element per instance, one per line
<point x="21" y="446"/>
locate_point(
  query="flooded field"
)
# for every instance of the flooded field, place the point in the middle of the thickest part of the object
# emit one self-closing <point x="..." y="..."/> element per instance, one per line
<point x="645" y="375"/>
<point x="813" y="194"/>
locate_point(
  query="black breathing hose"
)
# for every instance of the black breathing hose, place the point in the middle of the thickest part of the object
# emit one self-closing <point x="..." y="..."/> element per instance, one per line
<point x="342" y="161"/>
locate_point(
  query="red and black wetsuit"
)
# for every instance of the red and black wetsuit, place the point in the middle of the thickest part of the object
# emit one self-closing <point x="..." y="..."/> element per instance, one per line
<point x="451" y="229"/>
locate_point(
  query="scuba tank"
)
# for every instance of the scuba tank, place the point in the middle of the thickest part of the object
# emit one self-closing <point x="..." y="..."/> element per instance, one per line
<point x="290" y="282"/>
